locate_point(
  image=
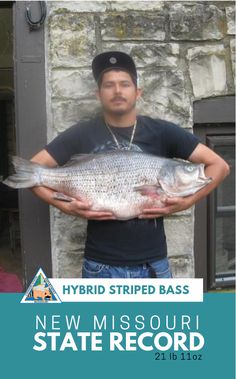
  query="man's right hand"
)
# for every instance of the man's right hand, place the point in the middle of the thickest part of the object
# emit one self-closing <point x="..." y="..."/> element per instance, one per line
<point x="78" y="207"/>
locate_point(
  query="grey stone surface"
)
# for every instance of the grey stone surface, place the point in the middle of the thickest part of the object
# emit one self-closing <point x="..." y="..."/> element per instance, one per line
<point x="73" y="84"/>
<point x="78" y="6"/>
<point x="179" y="234"/>
<point x="165" y="96"/>
<point x="182" y="267"/>
<point x="68" y="113"/>
<point x="72" y="39"/>
<point x="68" y="229"/>
<point x="195" y="21"/>
<point x="68" y="238"/>
<point x="104" y="6"/>
<point x="132" y="25"/>
<point x="122" y="6"/>
<point x="233" y="52"/>
<point x="69" y="264"/>
<point x="207" y="70"/>
<point x="230" y="16"/>
<point x="149" y="55"/>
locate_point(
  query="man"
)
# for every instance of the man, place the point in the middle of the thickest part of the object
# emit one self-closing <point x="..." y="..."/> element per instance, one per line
<point x="134" y="248"/>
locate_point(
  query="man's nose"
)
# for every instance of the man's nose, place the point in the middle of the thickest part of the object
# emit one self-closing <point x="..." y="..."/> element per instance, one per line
<point x="117" y="88"/>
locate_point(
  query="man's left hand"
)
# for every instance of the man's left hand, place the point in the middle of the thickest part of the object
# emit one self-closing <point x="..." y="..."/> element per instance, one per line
<point x="171" y="205"/>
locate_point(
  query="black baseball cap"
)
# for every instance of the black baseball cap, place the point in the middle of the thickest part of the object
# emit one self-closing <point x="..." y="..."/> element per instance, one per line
<point x="113" y="60"/>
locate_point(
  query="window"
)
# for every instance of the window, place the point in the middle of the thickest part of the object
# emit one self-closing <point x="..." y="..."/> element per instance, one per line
<point x="221" y="220"/>
<point x="214" y="245"/>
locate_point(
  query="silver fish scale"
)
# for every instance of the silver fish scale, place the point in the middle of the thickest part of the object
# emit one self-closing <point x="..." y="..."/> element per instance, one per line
<point x="107" y="180"/>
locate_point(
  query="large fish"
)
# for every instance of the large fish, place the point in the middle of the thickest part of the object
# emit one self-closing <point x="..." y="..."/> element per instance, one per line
<point x="123" y="182"/>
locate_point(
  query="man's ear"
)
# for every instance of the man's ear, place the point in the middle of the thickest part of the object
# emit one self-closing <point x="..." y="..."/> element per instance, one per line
<point x="139" y="93"/>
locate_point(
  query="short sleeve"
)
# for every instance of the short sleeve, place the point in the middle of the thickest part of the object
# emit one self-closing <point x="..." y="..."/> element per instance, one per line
<point x="65" y="145"/>
<point x="180" y="142"/>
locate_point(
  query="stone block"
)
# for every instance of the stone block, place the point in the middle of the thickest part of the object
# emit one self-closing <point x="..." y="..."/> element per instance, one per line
<point x="233" y="52"/>
<point x="61" y="7"/>
<point x="72" y="84"/>
<point x="69" y="230"/>
<point x="207" y="70"/>
<point x="182" y="267"/>
<point x="196" y="21"/>
<point x="179" y="234"/>
<point x="103" y="6"/>
<point x="70" y="265"/>
<point x="230" y="17"/>
<point x="148" y="55"/>
<point x="68" y="113"/>
<point x="165" y="96"/>
<point x="71" y="40"/>
<point x="122" y="6"/>
<point x="68" y="235"/>
<point x="133" y="25"/>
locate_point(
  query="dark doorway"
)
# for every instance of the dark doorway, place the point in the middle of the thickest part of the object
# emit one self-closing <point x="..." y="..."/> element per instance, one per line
<point x="10" y="246"/>
<point x="23" y="121"/>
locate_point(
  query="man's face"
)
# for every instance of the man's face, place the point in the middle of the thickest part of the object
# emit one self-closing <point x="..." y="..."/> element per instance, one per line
<point x="117" y="92"/>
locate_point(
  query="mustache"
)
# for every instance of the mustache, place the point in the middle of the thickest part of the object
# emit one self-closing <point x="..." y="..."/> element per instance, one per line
<point x="118" y="98"/>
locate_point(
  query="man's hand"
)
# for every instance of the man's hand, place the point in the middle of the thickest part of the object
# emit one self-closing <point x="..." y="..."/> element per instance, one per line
<point x="76" y="207"/>
<point x="81" y="208"/>
<point x="172" y="205"/>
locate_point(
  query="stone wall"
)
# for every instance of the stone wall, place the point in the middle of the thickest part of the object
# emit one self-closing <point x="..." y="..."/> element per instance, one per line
<point x="183" y="50"/>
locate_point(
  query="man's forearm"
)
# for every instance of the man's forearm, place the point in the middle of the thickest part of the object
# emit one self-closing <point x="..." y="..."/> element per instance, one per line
<point x="217" y="173"/>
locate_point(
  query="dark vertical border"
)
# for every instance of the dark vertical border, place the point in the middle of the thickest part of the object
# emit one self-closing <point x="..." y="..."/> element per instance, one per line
<point x="31" y="134"/>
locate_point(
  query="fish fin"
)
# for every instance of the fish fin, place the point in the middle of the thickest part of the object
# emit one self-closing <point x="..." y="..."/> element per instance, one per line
<point x="25" y="176"/>
<point x="80" y="158"/>
<point x="154" y="192"/>
<point x="61" y="196"/>
<point x="148" y="189"/>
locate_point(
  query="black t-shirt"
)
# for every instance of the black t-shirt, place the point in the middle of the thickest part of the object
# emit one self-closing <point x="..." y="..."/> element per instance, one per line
<point x="134" y="241"/>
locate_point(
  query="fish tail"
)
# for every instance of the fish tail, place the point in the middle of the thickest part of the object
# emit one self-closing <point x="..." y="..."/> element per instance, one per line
<point x="26" y="176"/>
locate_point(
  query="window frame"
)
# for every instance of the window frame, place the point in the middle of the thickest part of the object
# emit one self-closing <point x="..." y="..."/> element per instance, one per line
<point x="212" y="142"/>
<point x="212" y="117"/>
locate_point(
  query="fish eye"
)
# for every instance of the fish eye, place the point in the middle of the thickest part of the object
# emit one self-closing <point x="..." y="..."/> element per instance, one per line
<point x="189" y="168"/>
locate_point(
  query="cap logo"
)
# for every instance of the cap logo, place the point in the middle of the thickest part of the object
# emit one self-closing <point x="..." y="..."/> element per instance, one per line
<point x="113" y="60"/>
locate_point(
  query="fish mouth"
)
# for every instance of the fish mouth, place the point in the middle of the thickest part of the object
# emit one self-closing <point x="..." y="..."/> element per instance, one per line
<point x="203" y="179"/>
<point x="185" y="191"/>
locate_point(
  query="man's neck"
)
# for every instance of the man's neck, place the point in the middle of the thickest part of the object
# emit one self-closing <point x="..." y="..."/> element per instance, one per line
<point x="120" y="121"/>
